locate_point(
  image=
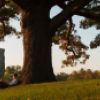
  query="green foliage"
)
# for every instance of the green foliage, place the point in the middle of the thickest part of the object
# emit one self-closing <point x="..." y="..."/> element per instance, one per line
<point x="62" y="76"/>
<point x="10" y="10"/>
<point x="94" y="9"/>
<point x="10" y="70"/>
<point x="69" y="90"/>
<point x="87" y="23"/>
<point x="96" y="42"/>
<point x="70" y="44"/>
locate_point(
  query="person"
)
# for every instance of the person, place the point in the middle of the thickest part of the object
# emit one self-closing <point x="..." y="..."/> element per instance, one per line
<point x="15" y="80"/>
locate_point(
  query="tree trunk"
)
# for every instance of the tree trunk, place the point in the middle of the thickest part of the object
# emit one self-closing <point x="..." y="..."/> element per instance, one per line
<point x="37" y="45"/>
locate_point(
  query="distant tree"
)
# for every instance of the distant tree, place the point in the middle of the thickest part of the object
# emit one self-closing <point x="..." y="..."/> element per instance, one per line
<point x="10" y="69"/>
<point x="38" y="30"/>
<point x="89" y="74"/>
<point x="13" y="69"/>
<point x="74" y="76"/>
<point x="84" y="74"/>
<point x="96" y="74"/>
<point x="62" y="76"/>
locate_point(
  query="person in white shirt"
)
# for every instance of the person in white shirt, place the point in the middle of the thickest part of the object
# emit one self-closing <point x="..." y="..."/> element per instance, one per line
<point x="14" y="80"/>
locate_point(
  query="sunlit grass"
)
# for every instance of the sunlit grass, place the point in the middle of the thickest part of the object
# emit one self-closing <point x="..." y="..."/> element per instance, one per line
<point x="69" y="90"/>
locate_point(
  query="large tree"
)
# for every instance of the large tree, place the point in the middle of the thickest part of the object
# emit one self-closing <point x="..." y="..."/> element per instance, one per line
<point x="38" y="30"/>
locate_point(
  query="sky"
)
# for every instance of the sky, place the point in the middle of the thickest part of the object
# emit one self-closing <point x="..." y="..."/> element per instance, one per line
<point x="14" y="48"/>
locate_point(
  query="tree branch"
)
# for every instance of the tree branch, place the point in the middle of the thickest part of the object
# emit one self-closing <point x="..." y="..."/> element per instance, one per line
<point x="89" y="14"/>
<point x="2" y="34"/>
<point x="56" y="2"/>
<point x="70" y="10"/>
<point x="62" y="5"/>
<point x="21" y="3"/>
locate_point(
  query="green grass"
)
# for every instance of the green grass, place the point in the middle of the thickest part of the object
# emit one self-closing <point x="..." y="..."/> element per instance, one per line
<point x="69" y="90"/>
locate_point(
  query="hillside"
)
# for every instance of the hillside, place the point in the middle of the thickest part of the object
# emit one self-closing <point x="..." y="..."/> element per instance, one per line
<point x="68" y="90"/>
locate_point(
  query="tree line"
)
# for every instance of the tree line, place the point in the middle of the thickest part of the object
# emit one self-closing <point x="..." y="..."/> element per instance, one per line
<point x="62" y="76"/>
<point x="77" y="75"/>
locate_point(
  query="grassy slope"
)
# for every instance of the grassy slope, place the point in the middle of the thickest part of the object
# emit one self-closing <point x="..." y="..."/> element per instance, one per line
<point x="69" y="90"/>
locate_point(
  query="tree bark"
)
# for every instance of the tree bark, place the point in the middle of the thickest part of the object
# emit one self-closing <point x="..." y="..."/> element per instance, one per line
<point x="37" y="45"/>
